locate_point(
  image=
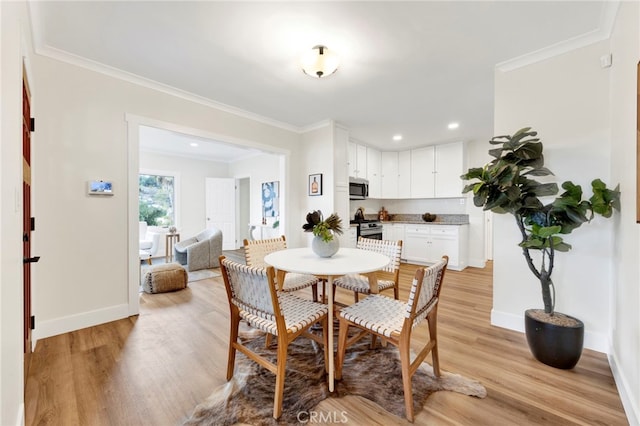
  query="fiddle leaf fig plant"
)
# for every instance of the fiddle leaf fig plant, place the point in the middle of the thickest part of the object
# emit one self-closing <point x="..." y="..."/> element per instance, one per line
<point x="506" y="185"/>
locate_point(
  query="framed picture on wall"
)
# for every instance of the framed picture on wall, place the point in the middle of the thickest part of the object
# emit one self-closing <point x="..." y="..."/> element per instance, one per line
<point x="271" y="199"/>
<point x="315" y="184"/>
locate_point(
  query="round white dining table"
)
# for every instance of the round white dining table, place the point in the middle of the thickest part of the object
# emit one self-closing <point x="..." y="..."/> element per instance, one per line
<point x="345" y="261"/>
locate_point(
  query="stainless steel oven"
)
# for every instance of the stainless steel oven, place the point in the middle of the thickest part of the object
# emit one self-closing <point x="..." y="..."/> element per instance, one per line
<point x="371" y="230"/>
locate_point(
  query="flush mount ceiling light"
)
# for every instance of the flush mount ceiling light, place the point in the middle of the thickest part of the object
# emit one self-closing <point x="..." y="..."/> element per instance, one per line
<point x="319" y="62"/>
<point x="453" y="125"/>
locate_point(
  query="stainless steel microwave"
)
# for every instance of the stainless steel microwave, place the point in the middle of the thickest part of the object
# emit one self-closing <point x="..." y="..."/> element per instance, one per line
<point x="358" y="189"/>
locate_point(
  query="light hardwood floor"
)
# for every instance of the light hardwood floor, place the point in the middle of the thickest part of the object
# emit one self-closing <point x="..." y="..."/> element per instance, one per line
<point x="154" y="368"/>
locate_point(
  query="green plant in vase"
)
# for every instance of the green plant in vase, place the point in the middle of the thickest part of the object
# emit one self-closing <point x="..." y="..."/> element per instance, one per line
<point x="506" y="185"/>
<point x="323" y="228"/>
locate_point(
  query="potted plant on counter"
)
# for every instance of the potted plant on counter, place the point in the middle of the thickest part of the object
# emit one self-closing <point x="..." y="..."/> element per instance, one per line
<point x="506" y="186"/>
<point x="324" y="243"/>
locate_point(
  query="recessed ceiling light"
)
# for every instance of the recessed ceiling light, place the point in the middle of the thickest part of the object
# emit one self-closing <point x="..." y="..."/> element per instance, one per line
<point x="452" y="126"/>
<point x="397" y="138"/>
<point x="193" y="144"/>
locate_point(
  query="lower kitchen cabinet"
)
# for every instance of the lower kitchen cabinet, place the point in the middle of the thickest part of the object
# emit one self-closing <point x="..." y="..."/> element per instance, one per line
<point x="352" y="237"/>
<point x="426" y="244"/>
<point x="394" y="232"/>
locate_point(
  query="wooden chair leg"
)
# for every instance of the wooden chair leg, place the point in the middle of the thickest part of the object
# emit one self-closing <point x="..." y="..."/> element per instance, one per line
<point x="149" y="261"/>
<point x="405" y="363"/>
<point x="355" y="296"/>
<point x="342" y="347"/>
<point x="233" y="339"/>
<point x="314" y="292"/>
<point x="280" y="372"/>
<point x="433" y="336"/>
<point x="267" y="340"/>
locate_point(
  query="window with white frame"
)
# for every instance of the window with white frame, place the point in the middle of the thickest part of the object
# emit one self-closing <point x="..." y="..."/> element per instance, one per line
<point x="157" y="198"/>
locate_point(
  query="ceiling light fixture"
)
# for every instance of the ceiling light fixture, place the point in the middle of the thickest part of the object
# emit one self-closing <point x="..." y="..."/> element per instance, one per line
<point x="397" y="138"/>
<point x="452" y="126"/>
<point x="193" y="144"/>
<point x="319" y="62"/>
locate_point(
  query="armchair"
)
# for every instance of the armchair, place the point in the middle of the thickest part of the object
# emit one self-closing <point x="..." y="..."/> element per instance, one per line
<point x="149" y="242"/>
<point x="200" y="252"/>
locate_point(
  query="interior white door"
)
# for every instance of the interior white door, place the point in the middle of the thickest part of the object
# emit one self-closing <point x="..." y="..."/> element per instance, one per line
<point x="221" y="208"/>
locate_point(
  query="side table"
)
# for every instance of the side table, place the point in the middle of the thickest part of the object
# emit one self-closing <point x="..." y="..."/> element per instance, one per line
<point x="171" y="239"/>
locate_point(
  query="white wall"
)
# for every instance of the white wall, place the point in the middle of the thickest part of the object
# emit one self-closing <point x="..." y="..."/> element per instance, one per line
<point x="625" y="316"/>
<point x="192" y="174"/>
<point x="318" y="158"/>
<point x="84" y="134"/>
<point x="14" y="29"/>
<point x="566" y="99"/>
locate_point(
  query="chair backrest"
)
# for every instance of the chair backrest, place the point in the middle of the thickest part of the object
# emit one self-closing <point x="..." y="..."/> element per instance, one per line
<point x="392" y="249"/>
<point x="255" y="251"/>
<point x="207" y="234"/>
<point x="251" y="289"/>
<point x="425" y="291"/>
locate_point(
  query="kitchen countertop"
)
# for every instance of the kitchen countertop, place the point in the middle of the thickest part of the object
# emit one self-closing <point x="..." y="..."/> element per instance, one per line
<point x="416" y="219"/>
<point x="422" y="222"/>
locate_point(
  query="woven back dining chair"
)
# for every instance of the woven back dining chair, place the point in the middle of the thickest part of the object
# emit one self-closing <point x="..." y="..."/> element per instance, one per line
<point x="252" y="296"/>
<point x="393" y="321"/>
<point x="254" y="254"/>
<point x="385" y="279"/>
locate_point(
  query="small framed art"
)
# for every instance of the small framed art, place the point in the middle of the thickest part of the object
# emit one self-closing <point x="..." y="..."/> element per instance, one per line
<point x="315" y="184"/>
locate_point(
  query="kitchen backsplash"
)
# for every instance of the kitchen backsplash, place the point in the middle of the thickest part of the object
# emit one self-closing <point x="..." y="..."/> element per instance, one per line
<point x="451" y="210"/>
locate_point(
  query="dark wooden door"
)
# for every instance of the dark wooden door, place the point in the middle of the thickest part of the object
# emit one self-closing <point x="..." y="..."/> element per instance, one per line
<point x="26" y="214"/>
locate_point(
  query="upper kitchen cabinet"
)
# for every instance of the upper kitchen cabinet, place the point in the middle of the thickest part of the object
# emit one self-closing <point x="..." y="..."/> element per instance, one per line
<point x="357" y="160"/>
<point x="389" y="175"/>
<point x="373" y="172"/>
<point x="449" y="166"/>
<point x="404" y="174"/>
<point x="436" y="170"/>
<point x="422" y="172"/>
<point x="395" y="174"/>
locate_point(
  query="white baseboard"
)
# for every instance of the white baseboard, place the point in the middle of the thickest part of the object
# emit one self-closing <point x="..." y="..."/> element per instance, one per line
<point x="76" y="322"/>
<point x="631" y="408"/>
<point x="594" y="341"/>
<point x="477" y="263"/>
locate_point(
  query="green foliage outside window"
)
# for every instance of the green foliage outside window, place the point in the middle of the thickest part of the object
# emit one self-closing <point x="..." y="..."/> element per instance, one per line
<point x="156" y="199"/>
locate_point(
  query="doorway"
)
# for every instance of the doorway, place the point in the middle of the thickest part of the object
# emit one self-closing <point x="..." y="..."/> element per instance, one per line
<point x="134" y="124"/>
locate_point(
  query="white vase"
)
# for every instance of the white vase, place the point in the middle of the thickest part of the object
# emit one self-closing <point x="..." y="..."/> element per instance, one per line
<point x="325" y="248"/>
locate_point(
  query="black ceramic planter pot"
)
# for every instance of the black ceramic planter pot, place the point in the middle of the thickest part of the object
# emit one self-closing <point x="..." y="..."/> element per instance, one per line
<point x="554" y="345"/>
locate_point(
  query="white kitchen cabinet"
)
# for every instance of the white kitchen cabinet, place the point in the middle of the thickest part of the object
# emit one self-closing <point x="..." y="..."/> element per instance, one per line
<point x="436" y="170"/>
<point x="426" y="244"/>
<point x="373" y="172"/>
<point x="423" y="172"/>
<point x="357" y="160"/>
<point x="352" y="237"/>
<point x="395" y="172"/>
<point x="394" y="232"/>
<point x="449" y="166"/>
<point x="388" y="175"/>
<point x="404" y="174"/>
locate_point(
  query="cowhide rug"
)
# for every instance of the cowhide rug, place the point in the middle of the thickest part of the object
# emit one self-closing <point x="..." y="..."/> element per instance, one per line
<point x="372" y="374"/>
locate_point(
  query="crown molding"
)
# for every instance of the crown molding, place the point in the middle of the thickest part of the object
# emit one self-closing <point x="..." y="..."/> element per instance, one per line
<point x="79" y="61"/>
<point x="607" y="20"/>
